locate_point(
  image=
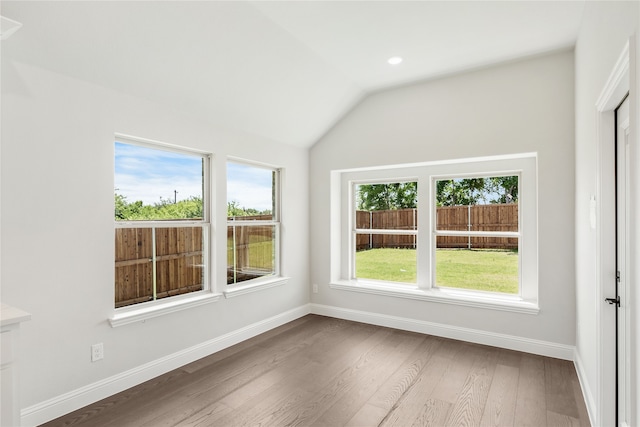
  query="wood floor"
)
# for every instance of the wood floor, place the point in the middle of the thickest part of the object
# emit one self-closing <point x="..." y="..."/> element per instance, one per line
<point x="320" y="371"/>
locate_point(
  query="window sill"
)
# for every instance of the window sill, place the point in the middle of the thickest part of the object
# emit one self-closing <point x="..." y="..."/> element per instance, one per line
<point x="258" y="285"/>
<point x="446" y="296"/>
<point x="142" y="312"/>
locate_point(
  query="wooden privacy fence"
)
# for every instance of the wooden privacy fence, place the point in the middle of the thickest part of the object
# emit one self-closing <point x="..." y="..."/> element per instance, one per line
<point x="397" y="219"/>
<point x="179" y="259"/>
<point x="496" y="217"/>
<point x="178" y="263"/>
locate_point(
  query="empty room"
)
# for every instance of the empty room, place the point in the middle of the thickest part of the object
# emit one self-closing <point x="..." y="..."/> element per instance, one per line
<point x="320" y="213"/>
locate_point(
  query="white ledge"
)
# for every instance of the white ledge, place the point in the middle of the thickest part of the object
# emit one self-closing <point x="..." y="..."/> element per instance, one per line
<point x="446" y="296"/>
<point x="258" y="285"/>
<point x="141" y="312"/>
<point x="10" y="315"/>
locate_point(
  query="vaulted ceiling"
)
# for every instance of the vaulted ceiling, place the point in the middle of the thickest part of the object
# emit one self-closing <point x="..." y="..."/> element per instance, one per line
<point x="285" y="70"/>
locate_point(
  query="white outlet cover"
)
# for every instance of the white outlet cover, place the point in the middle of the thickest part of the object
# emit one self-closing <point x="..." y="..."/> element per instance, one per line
<point x="97" y="352"/>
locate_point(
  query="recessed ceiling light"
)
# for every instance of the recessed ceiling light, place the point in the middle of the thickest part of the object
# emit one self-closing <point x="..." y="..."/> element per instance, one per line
<point x="394" y="60"/>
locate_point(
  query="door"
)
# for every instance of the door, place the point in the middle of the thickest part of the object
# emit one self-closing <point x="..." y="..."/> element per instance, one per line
<point x="612" y="222"/>
<point x="623" y="386"/>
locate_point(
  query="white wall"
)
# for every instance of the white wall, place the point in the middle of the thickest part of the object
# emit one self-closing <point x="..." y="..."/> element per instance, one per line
<point x="57" y="229"/>
<point x="57" y="184"/>
<point x="517" y="107"/>
<point x="635" y="232"/>
<point x="605" y="29"/>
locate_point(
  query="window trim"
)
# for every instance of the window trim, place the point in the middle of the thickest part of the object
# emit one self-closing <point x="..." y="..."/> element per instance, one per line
<point x="157" y="307"/>
<point x="438" y="295"/>
<point x="525" y="165"/>
<point x="275" y="279"/>
<point x="148" y="310"/>
<point x="257" y="284"/>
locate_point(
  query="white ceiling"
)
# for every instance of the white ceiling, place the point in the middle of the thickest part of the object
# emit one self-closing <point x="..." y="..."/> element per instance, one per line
<point x="284" y="70"/>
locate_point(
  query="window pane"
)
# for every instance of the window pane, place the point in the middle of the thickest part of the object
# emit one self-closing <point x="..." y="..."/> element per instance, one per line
<point x="154" y="184"/>
<point x="477" y="204"/>
<point x="493" y="270"/>
<point x="250" y="252"/>
<point x="134" y="266"/>
<point x="392" y="196"/>
<point x="386" y="206"/>
<point x="251" y="192"/>
<point x="389" y="257"/>
<point x="179" y="261"/>
<point x="493" y="217"/>
<point x="392" y="219"/>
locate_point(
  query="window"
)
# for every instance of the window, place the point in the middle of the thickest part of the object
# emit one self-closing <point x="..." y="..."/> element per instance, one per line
<point x="457" y="232"/>
<point x="253" y="223"/>
<point x="162" y="222"/>
<point x="385" y="219"/>
<point x="476" y="233"/>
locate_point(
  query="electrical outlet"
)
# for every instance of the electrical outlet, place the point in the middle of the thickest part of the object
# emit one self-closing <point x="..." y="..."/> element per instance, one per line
<point x="97" y="352"/>
<point x="315" y="288"/>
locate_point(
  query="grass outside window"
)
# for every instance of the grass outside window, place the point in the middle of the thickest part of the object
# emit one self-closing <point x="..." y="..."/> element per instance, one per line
<point x="491" y="270"/>
<point x="250" y="252"/>
<point x="392" y="265"/>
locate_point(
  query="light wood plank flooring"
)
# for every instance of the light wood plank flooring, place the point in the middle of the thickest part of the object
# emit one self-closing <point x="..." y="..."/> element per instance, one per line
<point x="319" y="371"/>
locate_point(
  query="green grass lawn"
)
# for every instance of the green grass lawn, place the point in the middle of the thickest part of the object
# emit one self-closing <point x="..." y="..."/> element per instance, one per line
<point x="258" y="254"/>
<point x="394" y="265"/>
<point x="478" y="269"/>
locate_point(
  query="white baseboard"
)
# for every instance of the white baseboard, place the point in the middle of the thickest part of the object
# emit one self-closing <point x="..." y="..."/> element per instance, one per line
<point x="543" y="348"/>
<point x="586" y="390"/>
<point x="76" y="399"/>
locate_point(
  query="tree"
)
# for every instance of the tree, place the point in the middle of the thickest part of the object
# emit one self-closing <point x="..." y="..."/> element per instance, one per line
<point x="506" y="187"/>
<point x="233" y="209"/>
<point x="397" y="195"/>
<point x="449" y="192"/>
<point x="190" y="208"/>
<point x="125" y="210"/>
<point x="457" y="192"/>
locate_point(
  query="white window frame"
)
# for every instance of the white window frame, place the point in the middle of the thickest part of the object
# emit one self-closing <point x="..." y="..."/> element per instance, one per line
<point x="275" y="279"/>
<point x="158" y="307"/>
<point x="343" y="233"/>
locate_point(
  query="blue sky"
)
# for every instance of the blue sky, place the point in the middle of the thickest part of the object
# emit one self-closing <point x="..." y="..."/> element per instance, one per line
<point x="149" y="174"/>
<point x="250" y="186"/>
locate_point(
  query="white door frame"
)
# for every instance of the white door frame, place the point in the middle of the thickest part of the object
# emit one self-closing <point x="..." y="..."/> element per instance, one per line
<point x="620" y="83"/>
<point x="624" y="264"/>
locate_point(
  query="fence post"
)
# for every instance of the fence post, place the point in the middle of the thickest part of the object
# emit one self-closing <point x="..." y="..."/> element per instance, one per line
<point x="154" y="265"/>
<point x="370" y="227"/>
<point x="468" y="226"/>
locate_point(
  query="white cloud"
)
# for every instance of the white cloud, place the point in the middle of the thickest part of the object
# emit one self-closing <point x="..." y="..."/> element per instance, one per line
<point x="248" y="195"/>
<point x="146" y="174"/>
<point x="249" y="186"/>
